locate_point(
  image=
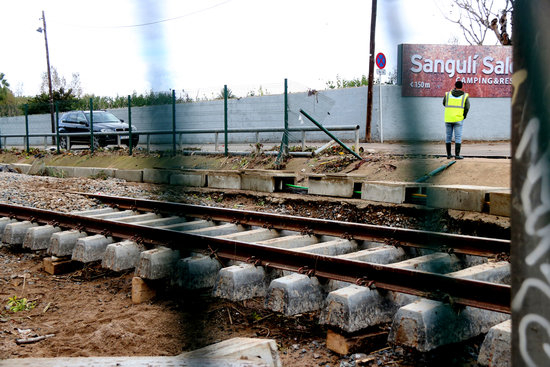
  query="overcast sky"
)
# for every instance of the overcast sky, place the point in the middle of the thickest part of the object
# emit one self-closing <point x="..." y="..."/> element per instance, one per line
<point x="121" y="46"/>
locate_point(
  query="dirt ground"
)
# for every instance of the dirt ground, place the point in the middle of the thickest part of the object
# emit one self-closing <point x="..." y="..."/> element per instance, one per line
<point x="90" y="311"/>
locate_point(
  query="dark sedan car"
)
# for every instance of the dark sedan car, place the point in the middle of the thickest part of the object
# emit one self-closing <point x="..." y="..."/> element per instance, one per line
<point x="103" y="122"/>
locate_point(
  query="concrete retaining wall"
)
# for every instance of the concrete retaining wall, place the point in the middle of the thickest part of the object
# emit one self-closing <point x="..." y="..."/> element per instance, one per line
<point x="403" y="118"/>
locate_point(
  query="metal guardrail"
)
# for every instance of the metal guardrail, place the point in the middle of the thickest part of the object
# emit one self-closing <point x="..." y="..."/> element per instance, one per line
<point x="180" y="133"/>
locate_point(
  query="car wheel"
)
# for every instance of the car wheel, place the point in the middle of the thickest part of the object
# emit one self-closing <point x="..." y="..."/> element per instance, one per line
<point x="63" y="142"/>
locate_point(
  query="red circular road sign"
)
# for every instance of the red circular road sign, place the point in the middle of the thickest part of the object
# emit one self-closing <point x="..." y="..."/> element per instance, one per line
<point x="381" y="60"/>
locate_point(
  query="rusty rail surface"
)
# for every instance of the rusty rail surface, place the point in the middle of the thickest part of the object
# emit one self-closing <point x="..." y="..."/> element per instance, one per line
<point x="458" y="291"/>
<point x="445" y="242"/>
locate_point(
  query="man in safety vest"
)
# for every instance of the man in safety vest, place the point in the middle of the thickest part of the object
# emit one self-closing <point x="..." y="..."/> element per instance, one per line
<point x="457" y="105"/>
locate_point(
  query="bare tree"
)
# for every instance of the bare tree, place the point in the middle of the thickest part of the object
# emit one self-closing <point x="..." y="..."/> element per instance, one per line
<point x="476" y="17"/>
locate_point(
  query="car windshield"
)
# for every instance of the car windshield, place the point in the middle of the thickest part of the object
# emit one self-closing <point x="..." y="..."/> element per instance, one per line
<point x="100" y="116"/>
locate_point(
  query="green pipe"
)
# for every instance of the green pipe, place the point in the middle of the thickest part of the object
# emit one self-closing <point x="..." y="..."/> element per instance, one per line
<point x="330" y="134"/>
<point x="297" y="187"/>
<point x="435" y="172"/>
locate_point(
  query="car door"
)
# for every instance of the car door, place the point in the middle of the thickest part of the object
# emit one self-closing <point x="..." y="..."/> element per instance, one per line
<point x="81" y="126"/>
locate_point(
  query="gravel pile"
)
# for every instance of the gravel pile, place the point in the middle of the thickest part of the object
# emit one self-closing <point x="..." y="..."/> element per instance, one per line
<point x="60" y="193"/>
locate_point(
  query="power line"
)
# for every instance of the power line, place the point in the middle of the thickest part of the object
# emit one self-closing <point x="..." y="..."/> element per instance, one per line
<point x="153" y="22"/>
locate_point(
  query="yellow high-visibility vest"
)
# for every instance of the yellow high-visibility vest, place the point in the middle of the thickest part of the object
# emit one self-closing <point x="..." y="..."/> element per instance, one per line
<point x="454" y="107"/>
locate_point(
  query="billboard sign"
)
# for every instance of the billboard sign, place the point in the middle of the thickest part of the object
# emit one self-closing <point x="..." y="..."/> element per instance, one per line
<point x="432" y="70"/>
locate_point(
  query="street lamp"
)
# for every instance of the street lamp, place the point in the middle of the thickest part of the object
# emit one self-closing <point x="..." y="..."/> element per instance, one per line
<point x="40" y="29"/>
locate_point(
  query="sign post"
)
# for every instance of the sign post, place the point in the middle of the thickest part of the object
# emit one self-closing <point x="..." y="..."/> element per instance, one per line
<point x="381" y="63"/>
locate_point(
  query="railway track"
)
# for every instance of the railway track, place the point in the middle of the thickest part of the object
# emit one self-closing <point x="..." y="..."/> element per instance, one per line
<point x="277" y="253"/>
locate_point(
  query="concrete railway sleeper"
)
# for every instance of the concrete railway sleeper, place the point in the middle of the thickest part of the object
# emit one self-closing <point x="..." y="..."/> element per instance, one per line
<point x="346" y="271"/>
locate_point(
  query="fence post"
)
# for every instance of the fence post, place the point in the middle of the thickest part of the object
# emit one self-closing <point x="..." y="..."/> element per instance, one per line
<point x="27" y="127"/>
<point x="286" y="118"/>
<point x="303" y="140"/>
<point x="225" y="118"/>
<point x="130" y="144"/>
<point x="173" y="122"/>
<point x="92" y="125"/>
<point x="57" y="125"/>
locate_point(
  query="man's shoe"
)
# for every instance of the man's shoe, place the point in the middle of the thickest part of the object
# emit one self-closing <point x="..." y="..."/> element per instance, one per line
<point x="457" y="151"/>
<point x="448" y="147"/>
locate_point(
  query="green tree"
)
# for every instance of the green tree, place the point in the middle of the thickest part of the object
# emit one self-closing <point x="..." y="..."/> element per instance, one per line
<point x="41" y="103"/>
<point x="7" y="99"/>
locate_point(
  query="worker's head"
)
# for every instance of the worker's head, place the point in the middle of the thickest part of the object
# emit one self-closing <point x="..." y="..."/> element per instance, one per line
<point x="458" y="84"/>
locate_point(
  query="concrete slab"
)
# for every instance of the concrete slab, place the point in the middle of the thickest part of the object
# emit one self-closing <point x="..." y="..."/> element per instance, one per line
<point x="38" y="238"/>
<point x="240" y="282"/>
<point x="63" y="243"/>
<point x="252" y="235"/>
<point x="236" y="352"/>
<point x="92" y="212"/>
<point x="387" y="192"/>
<point x="189" y="226"/>
<point x="83" y="171"/>
<point x="496" y="350"/>
<point x="159" y="222"/>
<point x="139" y="218"/>
<point x="157" y="176"/>
<point x="188" y="179"/>
<point x="427" y="324"/>
<point x="292" y="241"/>
<point x="115" y="215"/>
<point x="121" y="256"/>
<point x="294" y="294"/>
<point x="130" y="175"/>
<point x="330" y="248"/>
<point x="20" y="167"/>
<point x="61" y="171"/>
<point x="196" y="272"/>
<point x="500" y="203"/>
<point x="4" y="221"/>
<point x="91" y="248"/>
<point x="157" y="263"/>
<point x="220" y="230"/>
<point x="14" y="233"/>
<point x="460" y="197"/>
<point x="224" y="180"/>
<point x="330" y="185"/>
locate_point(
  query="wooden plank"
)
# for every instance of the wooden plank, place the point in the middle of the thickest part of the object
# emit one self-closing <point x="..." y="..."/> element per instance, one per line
<point x="55" y="265"/>
<point x="343" y="343"/>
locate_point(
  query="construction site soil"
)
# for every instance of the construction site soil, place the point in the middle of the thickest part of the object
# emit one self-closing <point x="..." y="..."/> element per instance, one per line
<point x="90" y="311"/>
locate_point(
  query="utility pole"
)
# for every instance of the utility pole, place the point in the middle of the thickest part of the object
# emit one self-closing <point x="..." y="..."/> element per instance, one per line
<point x="49" y="72"/>
<point x="371" y="71"/>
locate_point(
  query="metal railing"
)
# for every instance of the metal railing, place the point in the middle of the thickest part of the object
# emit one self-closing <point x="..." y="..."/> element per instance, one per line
<point x="179" y="133"/>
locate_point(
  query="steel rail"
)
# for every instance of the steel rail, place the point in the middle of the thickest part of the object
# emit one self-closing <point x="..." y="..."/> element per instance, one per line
<point x="460" y="244"/>
<point x="458" y="291"/>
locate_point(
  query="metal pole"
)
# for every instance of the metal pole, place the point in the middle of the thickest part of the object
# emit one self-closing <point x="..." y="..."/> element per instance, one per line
<point x="371" y="71"/>
<point x="27" y="127"/>
<point x="380" y="109"/>
<point x="130" y="144"/>
<point x="57" y="125"/>
<point x="92" y="125"/>
<point x="49" y="72"/>
<point x="225" y="118"/>
<point x="173" y="122"/>
<point x="286" y="118"/>
<point x="331" y="135"/>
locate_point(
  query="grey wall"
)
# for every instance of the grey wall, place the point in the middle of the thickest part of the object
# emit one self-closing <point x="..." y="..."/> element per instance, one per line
<point x="403" y="118"/>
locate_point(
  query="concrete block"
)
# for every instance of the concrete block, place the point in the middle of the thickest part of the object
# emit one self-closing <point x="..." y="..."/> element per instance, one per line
<point x="460" y="197"/>
<point x="92" y="212"/>
<point x="38" y="167"/>
<point x="115" y="215"/>
<point x="386" y="192"/>
<point x="496" y="350"/>
<point x="220" y="230"/>
<point x="63" y="243"/>
<point x="437" y="262"/>
<point x="83" y="171"/>
<point x="189" y="226"/>
<point x="330" y="185"/>
<point x="292" y="241"/>
<point x="130" y="175"/>
<point x="262" y="351"/>
<point x="122" y="255"/>
<point x="4" y="221"/>
<point x="252" y="235"/>
<point x="258" y="181"/>
<point x="224" y="180"/>
<point x="157" y="263"/>
<point x="500" y="203"/>
<point x="197" y="272"/>
<point x="427" y="324"/>
<point x="20" y="167"/>
<point x="103" y="172"/>
<point x="330" y="248"/>
<point x="61" y="171"/>
<point x="159" y="222"/>
<point x="295" y="294"/>
<point x="139" y="218"/>
<point x="91" y="248"/>
<point x="188" y="179"/>
<point x="38" y="238"/>
<point x="157" y="176"/>
<point x="240" y="282"/>
<point x="14" y="233"/>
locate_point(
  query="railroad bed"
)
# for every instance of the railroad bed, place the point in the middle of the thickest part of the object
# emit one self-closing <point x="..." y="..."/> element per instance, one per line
<point x="434" y="288"/>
